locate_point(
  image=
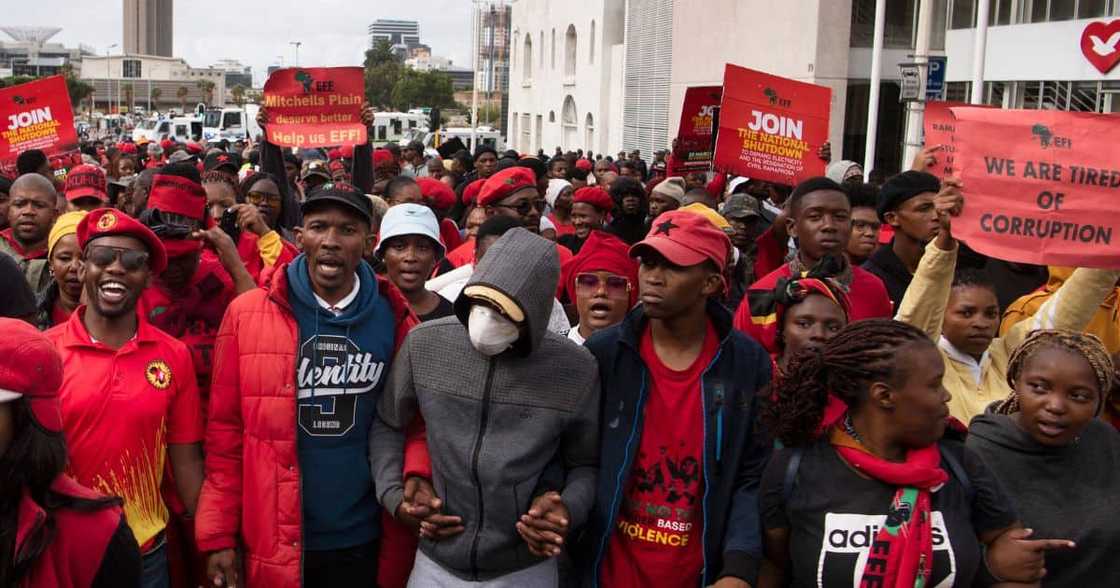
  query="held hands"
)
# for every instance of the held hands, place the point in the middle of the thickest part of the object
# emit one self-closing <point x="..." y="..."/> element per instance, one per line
<point x="545" y="526"/>
<point x="222" y="568"/>
<point x="1015" y="557"/>
<point x="420" y="510"/>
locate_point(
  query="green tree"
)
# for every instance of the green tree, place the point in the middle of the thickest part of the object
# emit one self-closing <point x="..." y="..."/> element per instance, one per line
<point x="237" y="93"/>
<point x="153" y="101"/>
<point x="415" y="89"/>
<point x="78" y="89"/>
<point x="207" y="88"/>
<point x="181" y="94"/>
<point x="382" y="70"/>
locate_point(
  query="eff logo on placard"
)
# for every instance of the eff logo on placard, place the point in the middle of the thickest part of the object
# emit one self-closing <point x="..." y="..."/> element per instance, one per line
<point x="1047" y="139"/>
<point x="847" y="543"/>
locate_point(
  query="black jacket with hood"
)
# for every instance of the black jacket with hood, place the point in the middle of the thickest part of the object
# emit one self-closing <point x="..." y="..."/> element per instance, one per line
<point x="494" y="424"/>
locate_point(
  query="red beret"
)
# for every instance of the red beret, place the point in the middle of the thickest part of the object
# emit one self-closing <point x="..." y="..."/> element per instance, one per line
<point x="85" y="181"/>
<point x="594" y="196"/>
<point x="436" y="193"/>
<point x="104" y="222"/>
<point x="584" y="165"/>
<point x="346" y="151"/>
<point x="505" y="183"/>
<point x="194" y="148"/>
<point x="470" y="193"/>
<point x="166" y="144"/>
<point x="334" y="154"/>
<point x="127" y="147"/>
<point x="382" y="156"/>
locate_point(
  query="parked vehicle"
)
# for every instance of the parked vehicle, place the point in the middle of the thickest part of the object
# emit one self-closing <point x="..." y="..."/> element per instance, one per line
<point x="396" y="127"/>
<point x="231" y="123"/>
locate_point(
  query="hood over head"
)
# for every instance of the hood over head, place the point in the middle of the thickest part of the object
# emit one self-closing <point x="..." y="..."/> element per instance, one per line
<point x="518" y="275"/>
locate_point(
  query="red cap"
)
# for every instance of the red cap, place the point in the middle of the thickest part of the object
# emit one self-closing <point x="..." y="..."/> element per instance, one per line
<point x="85" y="181"/>
<point x="584" y="165"/>
<point x="178" y="195"/>
<point x="30" y="367"/>
<point x="685" y="239"/>
<point x="104" y="222"/>
<point x="594" y="196"/>
<point x="436" y="193"/>
<point x="127" y="148"/>
<point x="505" y="183"/>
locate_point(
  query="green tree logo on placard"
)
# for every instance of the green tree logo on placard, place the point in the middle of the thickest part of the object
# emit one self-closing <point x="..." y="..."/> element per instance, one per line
<point x="1043" y="133"/>
<point x="305" y="79"/>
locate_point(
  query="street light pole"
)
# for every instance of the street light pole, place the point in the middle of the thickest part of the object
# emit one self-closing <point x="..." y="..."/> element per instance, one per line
<point x="108" y="84"/>
<point x="296" y="44"/>
<point x="474" y="79"/>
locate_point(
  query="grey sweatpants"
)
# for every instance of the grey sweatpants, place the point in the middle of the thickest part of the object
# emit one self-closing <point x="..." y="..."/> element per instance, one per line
<point x="428" y="574"/>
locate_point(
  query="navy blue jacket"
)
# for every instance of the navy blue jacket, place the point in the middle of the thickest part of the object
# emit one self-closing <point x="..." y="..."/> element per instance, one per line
<point x="735" y="449"/>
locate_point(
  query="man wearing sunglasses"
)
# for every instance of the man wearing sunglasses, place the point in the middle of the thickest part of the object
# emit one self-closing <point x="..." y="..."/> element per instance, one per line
<point x="602" y="280"/>
<point x="677" y="497"/>
<point x="129" y="397"/>
<point x="514" y="192"/>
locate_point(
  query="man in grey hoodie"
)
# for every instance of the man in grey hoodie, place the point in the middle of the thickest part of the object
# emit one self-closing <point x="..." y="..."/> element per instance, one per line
<point x="512" y="426"/>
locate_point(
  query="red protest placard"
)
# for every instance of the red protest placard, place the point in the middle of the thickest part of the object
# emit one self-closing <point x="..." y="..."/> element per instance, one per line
<point x="692" y="151"/>
<point x="1040" y="186"/>
<point x="312" y="107"/>
<point x="939" y="128"/>
<point x="36" y="115"/>
<point x="770" y="128"/>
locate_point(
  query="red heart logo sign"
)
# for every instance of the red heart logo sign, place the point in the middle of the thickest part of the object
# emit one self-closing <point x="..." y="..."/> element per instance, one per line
<point x="1100" y="42"/>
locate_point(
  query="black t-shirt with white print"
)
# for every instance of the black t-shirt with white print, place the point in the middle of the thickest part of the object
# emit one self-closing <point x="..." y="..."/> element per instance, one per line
<point x="833" y="515"/>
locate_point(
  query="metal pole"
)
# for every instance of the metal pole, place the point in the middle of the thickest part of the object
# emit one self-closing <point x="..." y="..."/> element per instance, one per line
<point x="474" y="85"/>
<point x="876" y="78"/>
<point x="916" y="110"/>
<point x="978" y="51"/>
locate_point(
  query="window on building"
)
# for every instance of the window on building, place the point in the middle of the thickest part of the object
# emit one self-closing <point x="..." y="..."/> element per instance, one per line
<point x="131" y="68"/>
<point x="962" y="14"/>
<point x="1092" y="8"/>
<point x="552" y="51"/>
<point x="957" y="91"/>
<point x="999" y="12"/>
<point x="570" y="50"/>
<point x="527" y="71"/>
<point x="591" y="44"/>
<point x="552" y="116"/>
<point x="589" y="132"/>
<point x="940" y="18"/>
<point x="570" y="122"/>
<point x="541" y="40"/>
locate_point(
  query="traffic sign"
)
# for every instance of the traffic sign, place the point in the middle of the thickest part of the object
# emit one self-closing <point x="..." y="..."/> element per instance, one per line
<point x="935" y="77"/>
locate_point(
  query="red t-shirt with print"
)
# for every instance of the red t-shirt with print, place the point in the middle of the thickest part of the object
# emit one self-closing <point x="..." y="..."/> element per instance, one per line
<point x="657" y="538"/>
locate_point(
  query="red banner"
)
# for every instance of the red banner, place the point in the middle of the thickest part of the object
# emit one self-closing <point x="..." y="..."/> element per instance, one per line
<point x="692" y="151"/>
<point x="37" y="115"/>
<point x="939" y="130"/>
<point x="312" y="107"/>
<point x="771" y="128"/>
<point x="1040" y="186"/>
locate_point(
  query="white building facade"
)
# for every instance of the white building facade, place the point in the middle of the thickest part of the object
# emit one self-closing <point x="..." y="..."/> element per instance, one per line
<point x="122" y="82"/>
<point x="566" y="75"/>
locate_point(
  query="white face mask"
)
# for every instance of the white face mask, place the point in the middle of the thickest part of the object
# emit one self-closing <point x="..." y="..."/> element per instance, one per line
<point x="490" y="332"/>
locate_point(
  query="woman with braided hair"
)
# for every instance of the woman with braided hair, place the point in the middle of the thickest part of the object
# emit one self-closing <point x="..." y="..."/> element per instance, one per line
<point x="1061" y="463"/>
<point x="878" y="494"/>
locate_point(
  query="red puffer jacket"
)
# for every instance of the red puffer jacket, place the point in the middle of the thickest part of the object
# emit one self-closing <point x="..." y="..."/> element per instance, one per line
<point x="252" y="493"/>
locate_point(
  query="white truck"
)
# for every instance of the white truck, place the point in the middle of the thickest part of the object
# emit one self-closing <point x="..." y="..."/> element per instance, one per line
<point x="397" y="127"/>
<point x="231" y="123"/>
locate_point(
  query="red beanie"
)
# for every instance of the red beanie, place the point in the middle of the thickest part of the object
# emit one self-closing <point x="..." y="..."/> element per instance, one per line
<point x="437" y="194"/>
<point x="594" y="196"/>
<point x="601" y="252"/>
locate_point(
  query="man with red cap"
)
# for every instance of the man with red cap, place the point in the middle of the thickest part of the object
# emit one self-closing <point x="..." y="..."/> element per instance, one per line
<point x="86" y="188"/>
<point x="129" y="397"/>
<point x="677" y="500"/>
<point x="591" y="207"/>
<point x="513" y="192"/>
<point x="57" y="533"/>
<point x="602" y="281"/>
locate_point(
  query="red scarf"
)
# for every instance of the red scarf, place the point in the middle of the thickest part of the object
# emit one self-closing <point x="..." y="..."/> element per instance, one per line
<point x="902" y="553"/>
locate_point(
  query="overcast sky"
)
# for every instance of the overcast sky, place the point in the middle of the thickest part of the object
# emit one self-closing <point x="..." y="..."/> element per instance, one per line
<point x="258" y="32"/>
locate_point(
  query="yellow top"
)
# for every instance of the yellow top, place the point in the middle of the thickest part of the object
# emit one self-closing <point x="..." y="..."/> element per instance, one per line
<point x="974" y="385"/>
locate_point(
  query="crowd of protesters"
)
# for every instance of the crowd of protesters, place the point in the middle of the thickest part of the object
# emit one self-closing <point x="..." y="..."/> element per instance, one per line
<point x="236" y="364"/>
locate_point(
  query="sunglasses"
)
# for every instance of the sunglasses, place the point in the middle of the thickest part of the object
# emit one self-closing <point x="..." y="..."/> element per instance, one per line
<point x="258" y="198"/>
<point x="525" y="207"/>
<point x="104" y="256"/>
<point x="616" y="286"/>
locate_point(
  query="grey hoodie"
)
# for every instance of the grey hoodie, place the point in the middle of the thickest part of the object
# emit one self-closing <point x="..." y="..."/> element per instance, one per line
<point x="1062" y="493"/>
<point x="494" y="424"/>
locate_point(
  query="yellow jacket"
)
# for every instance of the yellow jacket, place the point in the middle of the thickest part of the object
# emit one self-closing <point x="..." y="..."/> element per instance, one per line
<point x="1104" y="324"/>
<point x="975" y="385"/>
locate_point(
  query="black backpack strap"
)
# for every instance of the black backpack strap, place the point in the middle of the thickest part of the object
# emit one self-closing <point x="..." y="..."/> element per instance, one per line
<point x="792" y="466"/>
<point x="957" y="470"/>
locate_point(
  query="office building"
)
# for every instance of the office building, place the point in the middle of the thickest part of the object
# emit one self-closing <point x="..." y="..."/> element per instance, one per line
<point x="123" y="82"/>
<point x="29" y="53"/>
<point x="402" y="35"/>
<point x="148" y="27"/>
<point x="493" y="43"/>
